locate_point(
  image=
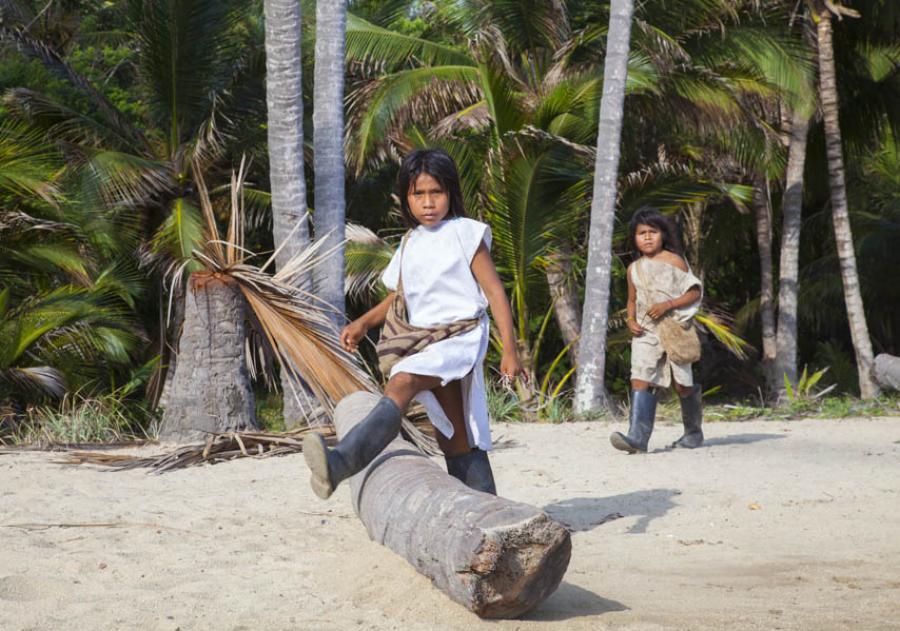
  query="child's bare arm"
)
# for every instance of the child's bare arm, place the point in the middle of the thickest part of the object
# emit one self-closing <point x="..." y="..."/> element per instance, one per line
<point x="356" y="330"/>
<point x="486" y="274"/>
<point x="660" y="309"/>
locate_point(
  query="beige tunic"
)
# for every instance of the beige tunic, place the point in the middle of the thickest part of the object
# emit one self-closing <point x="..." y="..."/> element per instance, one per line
<point x="663" y="282"/>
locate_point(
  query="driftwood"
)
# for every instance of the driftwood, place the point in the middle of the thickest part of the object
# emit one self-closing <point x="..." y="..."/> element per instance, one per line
<point x="886" y="371"/>
<point x="496" y="557"/>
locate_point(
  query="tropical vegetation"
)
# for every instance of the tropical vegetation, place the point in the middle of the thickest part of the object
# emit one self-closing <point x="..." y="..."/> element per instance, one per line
<point x="113" y="114"/>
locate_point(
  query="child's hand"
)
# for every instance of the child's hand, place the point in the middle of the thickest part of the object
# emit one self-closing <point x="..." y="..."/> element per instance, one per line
<point x="510" y="368"/>
<point x="635" y="328"/>
<point x="659" y="309"/>
<point x="351" y="335"/>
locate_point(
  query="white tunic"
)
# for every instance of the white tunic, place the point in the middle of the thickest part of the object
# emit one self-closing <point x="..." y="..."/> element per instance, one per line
<point x="439" y="288"/>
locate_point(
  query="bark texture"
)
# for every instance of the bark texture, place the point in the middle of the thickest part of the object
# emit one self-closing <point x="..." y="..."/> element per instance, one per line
<point x="789" y="267"/>
<point x="763" y="215"/>
<point x="840" y="214"/>
<point x="566" y="307"/>
<point x="887" y="371"/>
<point x="590" y="389"/>
<point x="284" y="105"/>
<point x="328" y="139"/>
<point x="496" y="557"/>
<point x="210" y="389"/>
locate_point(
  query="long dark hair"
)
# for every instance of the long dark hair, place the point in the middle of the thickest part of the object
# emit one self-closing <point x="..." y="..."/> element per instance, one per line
<point x="650" y="216"/>
<point x="438" y="164"/>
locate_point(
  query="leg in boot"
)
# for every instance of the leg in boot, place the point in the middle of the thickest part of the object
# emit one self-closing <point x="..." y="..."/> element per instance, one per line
<point x="643" y="415"/>
<point x="329" y="467"/>
<point x="474" y="470"/>
<point x="692" y="417"/>
<point x="465" y="463"/>
<point x="367" y="438"/>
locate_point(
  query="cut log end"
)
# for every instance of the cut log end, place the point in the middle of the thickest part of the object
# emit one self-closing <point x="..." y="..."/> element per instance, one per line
<point x="518" y="567"/>
<point x="496" y="557"/>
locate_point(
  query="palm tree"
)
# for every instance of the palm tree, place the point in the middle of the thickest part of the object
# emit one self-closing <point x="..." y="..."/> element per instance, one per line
<point x="590" y="390"/>
<point x="328" y="135"/>
<point x="789" y="266"/>
<point x="828" y="96"/>
<point x="284" y="101"/>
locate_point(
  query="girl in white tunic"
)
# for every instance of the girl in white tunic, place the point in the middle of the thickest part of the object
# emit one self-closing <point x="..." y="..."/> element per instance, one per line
<point x="447" y="276"/>
<point x="659" y="283"/>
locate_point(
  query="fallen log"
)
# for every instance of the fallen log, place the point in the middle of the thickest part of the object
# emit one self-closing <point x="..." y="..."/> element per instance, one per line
<point x="496" y="557"/>
<point x="886" y="371"/>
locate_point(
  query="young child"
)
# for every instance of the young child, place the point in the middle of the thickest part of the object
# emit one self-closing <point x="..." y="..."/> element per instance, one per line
<point x="447" y="276"/>
<point x="659" y="282"/>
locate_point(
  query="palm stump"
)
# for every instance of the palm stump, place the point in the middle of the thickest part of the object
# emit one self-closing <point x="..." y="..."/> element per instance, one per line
<point x="210" y="390"/>
<point x="496" y="557"/>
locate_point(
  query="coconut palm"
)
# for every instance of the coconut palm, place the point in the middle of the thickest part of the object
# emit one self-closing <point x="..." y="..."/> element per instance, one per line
<point x="284" y="101"/>
<point x="856" y="316"/>
<point x="590" y="391"/>
<point x="328" y="132"/>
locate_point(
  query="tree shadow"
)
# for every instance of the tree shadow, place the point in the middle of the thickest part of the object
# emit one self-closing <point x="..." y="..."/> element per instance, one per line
<point x="570" y="601"/>
<point x="581" y="514"/>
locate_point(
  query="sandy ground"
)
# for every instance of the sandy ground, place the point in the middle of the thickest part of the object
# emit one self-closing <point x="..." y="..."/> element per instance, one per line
<point x="772" y="525"/>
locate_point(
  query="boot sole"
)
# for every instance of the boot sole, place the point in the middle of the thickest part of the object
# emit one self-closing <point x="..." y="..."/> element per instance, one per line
<point x="315" y="452"/>
<point x="618" y="441"/>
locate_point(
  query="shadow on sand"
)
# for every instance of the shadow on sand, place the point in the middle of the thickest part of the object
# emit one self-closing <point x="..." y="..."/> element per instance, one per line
<point x="739" y="439"/>
<point x="580" y="514"/>
<point x="570" y="601"/>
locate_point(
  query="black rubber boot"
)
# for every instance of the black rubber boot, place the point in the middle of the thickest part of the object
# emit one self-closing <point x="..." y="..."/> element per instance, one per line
<point x="643" y="415"/>
<point x="474" y="470"/>
<point x="692" y="417"/>
<point x="329" y="467"/>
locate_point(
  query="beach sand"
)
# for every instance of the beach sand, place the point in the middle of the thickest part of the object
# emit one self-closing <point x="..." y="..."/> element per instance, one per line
<point x="772" y="525"/>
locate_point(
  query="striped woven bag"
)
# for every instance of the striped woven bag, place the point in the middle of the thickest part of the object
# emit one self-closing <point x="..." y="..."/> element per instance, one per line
<point x="400" y="339"/>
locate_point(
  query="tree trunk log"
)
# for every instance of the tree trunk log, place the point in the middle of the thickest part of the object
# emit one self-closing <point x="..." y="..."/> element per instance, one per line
<point x="496" y="557"/>
<point x="210" y="388"/>
<point x="886" y="371"/>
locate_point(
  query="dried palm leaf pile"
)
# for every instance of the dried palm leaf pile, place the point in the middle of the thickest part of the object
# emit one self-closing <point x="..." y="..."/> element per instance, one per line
<point x="232" y="445"/>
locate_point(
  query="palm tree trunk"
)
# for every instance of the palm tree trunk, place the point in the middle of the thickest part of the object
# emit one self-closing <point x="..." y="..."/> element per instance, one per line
<point x="328" y="137"/>
<point x="284" y="101"/>
<point x="590" y="389"/>
<point x="566" y="309"/>
<point x="789" y="268"/>
<point x="840" y="214"/>
<point x="763" y="215"/>
<point x="210" y="388"/>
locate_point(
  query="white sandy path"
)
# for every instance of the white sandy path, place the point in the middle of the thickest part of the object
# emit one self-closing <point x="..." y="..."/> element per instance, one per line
<point x="246" y="545"/>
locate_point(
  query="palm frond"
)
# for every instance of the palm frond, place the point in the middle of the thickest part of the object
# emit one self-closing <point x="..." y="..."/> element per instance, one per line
<point x="367" y="42"/>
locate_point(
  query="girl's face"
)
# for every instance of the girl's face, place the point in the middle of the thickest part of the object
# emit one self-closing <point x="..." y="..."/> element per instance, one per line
<point x="428" y="201"/>
<point x="648" y="239"/>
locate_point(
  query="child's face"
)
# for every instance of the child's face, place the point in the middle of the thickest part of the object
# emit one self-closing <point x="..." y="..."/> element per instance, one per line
<point x="648" y="239"/>
<point x="428" y="201"/>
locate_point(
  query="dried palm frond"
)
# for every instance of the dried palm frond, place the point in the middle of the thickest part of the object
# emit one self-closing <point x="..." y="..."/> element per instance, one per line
<point x="230" y="446"/>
